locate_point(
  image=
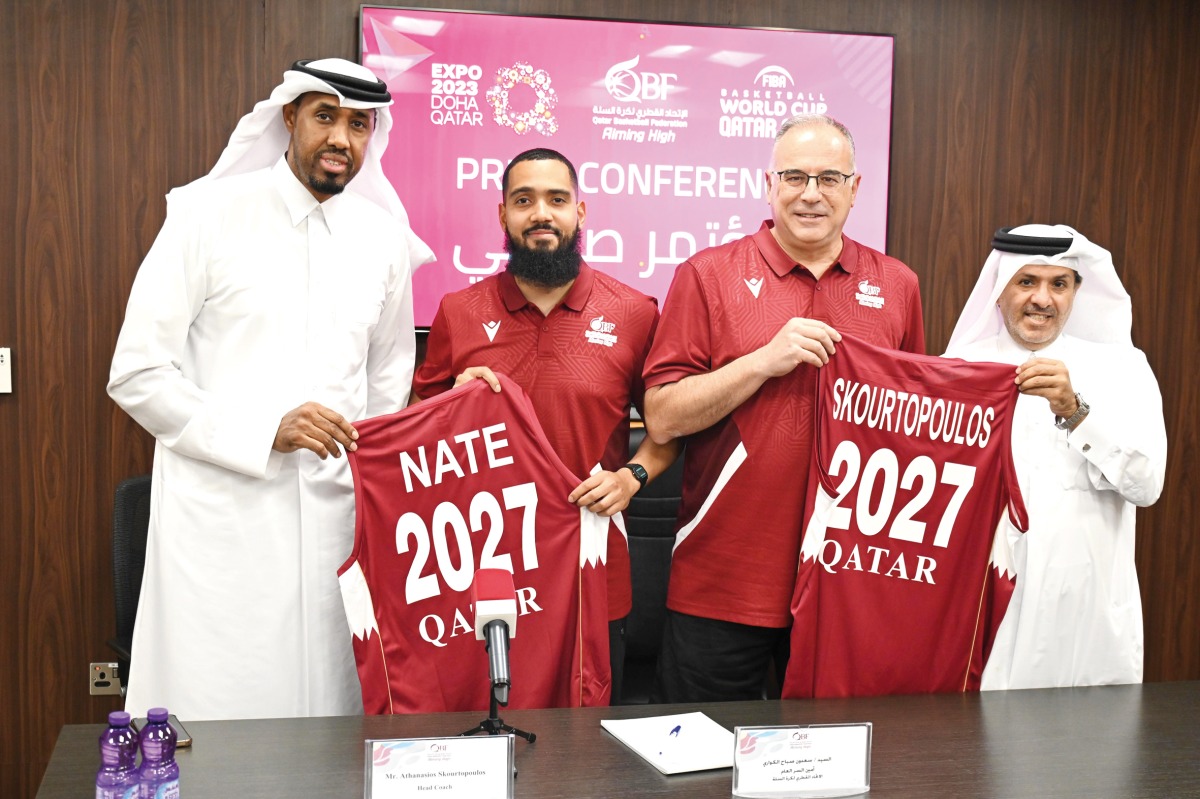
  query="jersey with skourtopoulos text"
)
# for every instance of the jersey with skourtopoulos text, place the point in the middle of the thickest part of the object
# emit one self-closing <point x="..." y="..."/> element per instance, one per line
<point x="466" y="481"/>
<point x="904" y="571"/>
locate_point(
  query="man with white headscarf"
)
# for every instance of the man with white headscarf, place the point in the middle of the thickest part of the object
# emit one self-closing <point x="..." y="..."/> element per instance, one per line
<point x="274" y="309"/>
<point x="1089" y="445"/>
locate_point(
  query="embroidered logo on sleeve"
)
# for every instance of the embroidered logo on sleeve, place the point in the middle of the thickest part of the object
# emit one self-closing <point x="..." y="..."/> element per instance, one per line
<point x="601" y="332"/>
<point x="754" y="284"/>
<point x="491" y="328"/>
<point x="869" y="295"/>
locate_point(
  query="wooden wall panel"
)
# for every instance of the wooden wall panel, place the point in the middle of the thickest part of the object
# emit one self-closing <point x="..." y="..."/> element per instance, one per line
<point x="1028" y="110"/>
<point x="114" y="104"/>
<point x="1151" y="190"/>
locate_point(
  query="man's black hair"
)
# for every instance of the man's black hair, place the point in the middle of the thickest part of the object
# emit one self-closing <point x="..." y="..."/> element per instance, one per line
<point x="540" y="154"/>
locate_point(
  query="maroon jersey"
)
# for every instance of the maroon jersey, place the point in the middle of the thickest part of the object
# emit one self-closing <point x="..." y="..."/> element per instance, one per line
<point x="904" y="574"/>
<point x="461" y="482"/>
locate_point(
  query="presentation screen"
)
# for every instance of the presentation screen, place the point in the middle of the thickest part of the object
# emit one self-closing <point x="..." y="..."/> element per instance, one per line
<point x="670" y="128"/>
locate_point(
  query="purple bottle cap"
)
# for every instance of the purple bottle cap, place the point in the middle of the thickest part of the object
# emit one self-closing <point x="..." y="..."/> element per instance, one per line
<point x="118" y="718"/>
<point x="157" y="715"/>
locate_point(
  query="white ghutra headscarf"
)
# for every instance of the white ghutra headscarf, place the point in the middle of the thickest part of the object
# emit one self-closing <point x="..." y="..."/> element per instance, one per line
<point x="1102" y="311"/>
<point x="261" y="136"/>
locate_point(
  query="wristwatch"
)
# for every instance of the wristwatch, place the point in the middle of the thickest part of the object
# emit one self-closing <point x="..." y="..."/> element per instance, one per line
<point x="638" y="472"/>
<point x="1076" y="418"/>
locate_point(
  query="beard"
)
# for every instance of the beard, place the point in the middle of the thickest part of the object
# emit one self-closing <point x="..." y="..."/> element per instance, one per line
<point x="547" y="268"/>
<point x="326" y="185"/>
<point x="316" y="178"/>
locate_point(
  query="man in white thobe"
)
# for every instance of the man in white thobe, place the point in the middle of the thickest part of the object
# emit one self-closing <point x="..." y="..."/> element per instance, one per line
<point x="273" y="310"/>
<point x="1089" y="445"/>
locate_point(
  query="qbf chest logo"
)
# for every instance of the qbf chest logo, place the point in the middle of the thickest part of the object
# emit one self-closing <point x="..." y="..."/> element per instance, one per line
<point x="601" y="332"/>
<point x="868" y="295"/>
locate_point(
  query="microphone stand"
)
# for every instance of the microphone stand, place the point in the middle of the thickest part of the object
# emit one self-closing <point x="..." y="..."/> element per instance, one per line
<point x="494" y="725"/>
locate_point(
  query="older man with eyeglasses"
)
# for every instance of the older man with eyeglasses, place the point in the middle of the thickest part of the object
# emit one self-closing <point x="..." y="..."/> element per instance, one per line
<point x="733" y="369"/>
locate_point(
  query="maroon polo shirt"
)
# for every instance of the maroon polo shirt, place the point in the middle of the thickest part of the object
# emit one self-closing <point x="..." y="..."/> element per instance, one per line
<point x="581" y="366"/>
<point x="738" y="541"/>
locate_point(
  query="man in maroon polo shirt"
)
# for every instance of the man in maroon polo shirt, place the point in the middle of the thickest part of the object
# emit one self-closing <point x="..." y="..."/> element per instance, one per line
<point x="733" y="369"/>
<point x="574" y="339"/>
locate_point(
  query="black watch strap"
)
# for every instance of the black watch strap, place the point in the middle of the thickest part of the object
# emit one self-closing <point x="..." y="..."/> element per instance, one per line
<point x="638" y="472"/>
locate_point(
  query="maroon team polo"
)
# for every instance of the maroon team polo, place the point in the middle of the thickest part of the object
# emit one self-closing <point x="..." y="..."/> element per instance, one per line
<point x="581" y="366"/>
<point x="738" y="541"/>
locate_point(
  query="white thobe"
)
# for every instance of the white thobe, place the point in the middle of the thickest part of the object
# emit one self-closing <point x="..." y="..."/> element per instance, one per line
<point x="231" y="324"/>
<point x="1076" y="615"/>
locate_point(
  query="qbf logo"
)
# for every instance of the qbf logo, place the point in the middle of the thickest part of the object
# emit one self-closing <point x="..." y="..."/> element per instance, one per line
<point x="628" y="86"/>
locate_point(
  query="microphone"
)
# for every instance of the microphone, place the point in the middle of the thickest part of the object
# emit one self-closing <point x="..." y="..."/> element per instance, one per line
<point x="495" y="602"/>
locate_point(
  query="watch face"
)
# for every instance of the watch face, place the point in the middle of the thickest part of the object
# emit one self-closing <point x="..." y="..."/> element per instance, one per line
<point x="638" y="472"/>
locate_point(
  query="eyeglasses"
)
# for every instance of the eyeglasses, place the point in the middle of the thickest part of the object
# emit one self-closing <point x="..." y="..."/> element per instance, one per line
<point x="827" y="182"/>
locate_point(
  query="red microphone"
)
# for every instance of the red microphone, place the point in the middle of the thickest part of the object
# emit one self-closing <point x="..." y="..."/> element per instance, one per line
<point x="494" y="599"/>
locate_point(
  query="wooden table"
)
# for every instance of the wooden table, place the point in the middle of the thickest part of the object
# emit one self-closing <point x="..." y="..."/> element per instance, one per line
<point x="1118" y="741"/>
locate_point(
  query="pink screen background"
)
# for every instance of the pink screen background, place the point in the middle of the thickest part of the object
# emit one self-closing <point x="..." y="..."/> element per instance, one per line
<point x="669" y="126"/>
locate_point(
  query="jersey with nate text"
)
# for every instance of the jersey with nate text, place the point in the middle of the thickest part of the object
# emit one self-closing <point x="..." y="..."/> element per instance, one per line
<point x="905" y="571"/>
<point x="466" y="481"/>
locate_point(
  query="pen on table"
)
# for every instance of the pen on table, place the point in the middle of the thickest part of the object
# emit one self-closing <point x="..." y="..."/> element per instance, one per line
<point x="673" y="735"/>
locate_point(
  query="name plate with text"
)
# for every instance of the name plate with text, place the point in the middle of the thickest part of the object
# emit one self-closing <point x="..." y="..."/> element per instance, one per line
<point x="816" y="760"/>
<point x="448" y="768"/>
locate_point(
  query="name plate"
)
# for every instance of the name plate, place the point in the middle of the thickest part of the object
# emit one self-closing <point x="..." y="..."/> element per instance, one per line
<point x="448" y="768"/>
<point x="803" y="761"/>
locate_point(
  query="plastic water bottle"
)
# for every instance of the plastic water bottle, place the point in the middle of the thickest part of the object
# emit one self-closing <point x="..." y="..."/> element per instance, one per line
<point x="118" y="774"/>
<point x="159" y="774"/>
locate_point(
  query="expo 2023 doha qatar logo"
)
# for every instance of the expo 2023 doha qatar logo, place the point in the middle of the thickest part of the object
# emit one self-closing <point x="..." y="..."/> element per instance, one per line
<point x="540" y="116"/>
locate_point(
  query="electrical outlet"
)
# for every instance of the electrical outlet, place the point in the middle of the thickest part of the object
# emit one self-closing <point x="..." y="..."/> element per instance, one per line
<point x="103" y="679"/>
<point x="5" y="370"/>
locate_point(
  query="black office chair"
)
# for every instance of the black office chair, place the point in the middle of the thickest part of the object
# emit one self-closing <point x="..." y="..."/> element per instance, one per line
<point x="131" y="520"/>
<point x="650" y="523"/>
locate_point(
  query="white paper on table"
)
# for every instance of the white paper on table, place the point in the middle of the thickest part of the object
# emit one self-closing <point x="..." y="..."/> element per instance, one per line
<point x="676" y="744"/>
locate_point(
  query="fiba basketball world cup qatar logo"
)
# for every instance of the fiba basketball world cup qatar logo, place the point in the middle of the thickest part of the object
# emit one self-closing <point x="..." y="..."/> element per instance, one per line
<point x="540" y="116"/>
